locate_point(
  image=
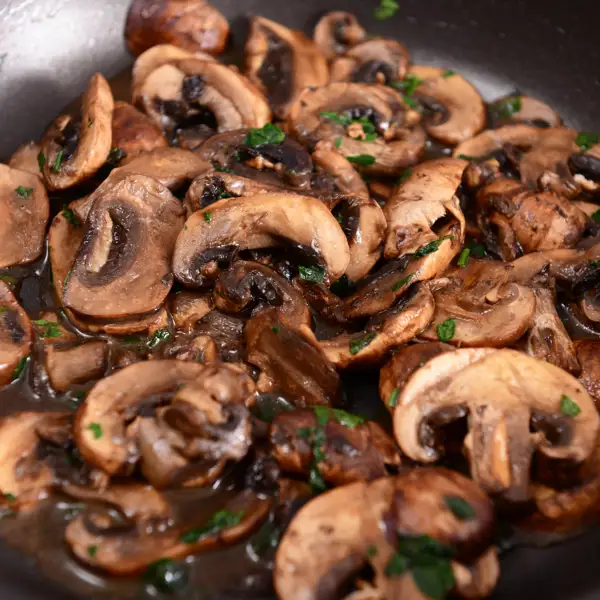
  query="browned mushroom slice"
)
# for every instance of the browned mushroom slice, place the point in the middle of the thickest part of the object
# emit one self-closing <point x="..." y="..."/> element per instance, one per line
<point x="186" y="308"/>
<point x="500" y="443"/>
<point x="376" y="60"/>
<point x="397" y="371"/>
<point x="588" y="356"/>
<point x="384" y="332"/>
<point x="194" y="25"/>
<point x="25" y="158"/>
<point x="376" y="525"/>
<point x="284" y="164"/>
<point x="336" y="32"/>
<point x="189" y="431"/>
<point x="481" y="306"/>
<point x="282" y="62"/>
<point x="23" y="475"/>
<point x="364" y="121"/>
<point x="74" y="150"/>
<point x="524" y="109"/>
<point x="15" y="336"/>
<point x="190" y="93"/>
<point x="212" y="235"/>
<point x="127" y="546"/>
<point x="133" y="132"/>
<point x="458" y="107"/>
<point x="122" y="267"/>
<point x="585" y="167"/>
<point x="71" y="366"/>
<point x="25" y="214"/>
<point x="332" y="444"/>
<point x="290" y="363"/>
<point x="427" y="196"/>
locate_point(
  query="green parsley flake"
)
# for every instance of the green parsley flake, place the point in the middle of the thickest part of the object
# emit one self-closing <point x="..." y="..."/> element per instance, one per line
<point x="507" y="107"/>
<point x="337" y="118"/>
<point x="58" y="161"/>
<point x="585" y="140"/>
<point x="411" y="102"/>
<point x="208" y="216"/>
<point x="324" y="413"/>
<point x="431" y="247"/>
<point x="465" y="157"/>
<point x="400" y="284"/>
<point x="8" y="279"/>
<point x="96" y="430"/>
<point x="221" y="169"/>
<point x="408" y="85"/>
<point x="371" y="551"/>
<point x="49" y="329"/>
<point x="404" y="176"/>
<point x="41" y="161"/>
<point x="160" y="336"/>
<point x="24" y="192"/>
<point x="316" y="481"/>
<point x="10" y="497"/>
<point x="448" y="73"/>
<point x="446" y="330"/>
<point x="275" y="330"/>
<point x="476" y="250"/>
<point x="393" y="399"/>
<point x="363" y="160"/>
<point x="92" y="551"/>
<point x="359" y="344"/>
<point x="594" y="264"/>
<point x="313" y="273"/>
<point x="459" y="507"/>
<point x="386" y="9"/>
<point x="397" y="566"/>
<point x="338" y="142"/>
<point x="222" y="519"/>
<point x="596" y="216"/>
<point x="463" y="259"/>
<point x="70" y="216"/>
<point x="269" y="134"/>
<point x="20" y="367"/>
<point x="116" y="155"/>
<point x="568" y="407"/>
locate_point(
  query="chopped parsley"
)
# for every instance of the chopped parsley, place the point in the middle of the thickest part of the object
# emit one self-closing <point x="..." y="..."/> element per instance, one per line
<point x="465" y="157"/>
<point x="324" y="413"/>
<point x="594" y="264"/>
<point x="70" y="216"/>
<point x="116" y="155"/>
<point x="359" y="344"/>
<point x="386" y="9"/>
<point x="316" y="437"/>
<point x="20" y="367"/>
<point x="408" y="85"/>
<point x="160" y="336"/>
<point x="393" y="399"/>
<point x="431" y="247"/>
<point x="90" y="122"/>
<point x="404" y="176"/>
<point x="58" y="161"/>
<point x="476" y="250"/>
<point x="208" y="216"/>
<point x="219" y="169"/>
<point x="313" y="273"/>
<point x="344" y="120"/>
<point x="92" y="551"/>
<point x="463" y="259"/>
<point x="96" y="430"/>
<point x="41" y="161"/>
<point x="507" y="107"/>
<point x="569" y="407"/>
<point x="585" y="140"/>
<point x="49" y="329"/>
<point x="459" y="507"/>
<point x="222" y="519"/>
<point x="167" y="576"/>
<point x="363" y="160"/>
<point x="269" y="134"/>
<point x="338" y="142"/>
<point x="24" y="192"/>
<point x="448" y="73"/>
<point x="275" y="330"/>
<point x="446" y="330"/>
<point x="596" y="216"/>
<point x="10" y="497"/>
<point x="8" y="279"/>
<point x="371" y="551"/>
<point x="402" y="282"/>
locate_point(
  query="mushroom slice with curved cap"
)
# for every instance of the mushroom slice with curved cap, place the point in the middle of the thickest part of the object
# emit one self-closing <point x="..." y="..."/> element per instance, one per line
<point x="428" y="195"/>
<point x="133" y="132"/>
<point x="67" y="367"/>
<point x="376" y="60"/>
<point x="193" y="25"/>
<point x="336" y="32"/>
<point x="500" y="443"/>
<point x="282" y="62"/>
<point x="397" y="371"/>
<point x="524" y="109"/>
<point x="127" y="546"/>
<point x="25" y="210"/>
<point x="25" y="158"/>
<point x="481" y="306"/>
<point x="338" y="446"/>
<point x="122" y="266"/>
<point x="383" y="333"/>
<point x="190" y="93"/>
<point x="379" y="524"/>
<point x="462" y="113"/>
<point x="291" y="363"/>
<point x="588" y="355"/>
<point x="16" y="336"/>
<point x="74" y="151"/>
<point x="261" y="221"/>
<point x="187" y="307"/>
<point x="585" y="167"/>
<point x="372" y="122"/>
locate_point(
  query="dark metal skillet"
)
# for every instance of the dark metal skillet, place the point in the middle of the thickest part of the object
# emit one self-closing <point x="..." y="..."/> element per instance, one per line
<point x="49" y="48"/>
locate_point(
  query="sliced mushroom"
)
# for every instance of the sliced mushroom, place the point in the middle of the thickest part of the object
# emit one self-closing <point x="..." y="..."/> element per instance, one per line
<point x="133" y="132"/>
<point x="191" y="93"/>
<point x="336" y="32"/>
<point x="25" y="210"/>
<point x="25" y="158"/>
<point x="500" y="444"/>
<point x="122" y="267"/>
<point x="353" y="450"/>
<point x="525" y="109"/>
<point x="337" y="534"/>
<point x="282" y="62"/>
<point x="427" y="196"/>
<point x="128" y="546"/>
<point x="186" y="308"/>
<point x="72" y="366"/>
<point x="377" y="60"/>
<point x="384" y="332"/>
<point x="399" y="140"/>
<point x="194" y="25"/>
<point x="460" y="107"/>
<point x="212" y="235"/>
<point x="483" y="306"/>
<point x="74" y="151"/>
<point x="585" y="168"/>
<point x="588" y="356"/>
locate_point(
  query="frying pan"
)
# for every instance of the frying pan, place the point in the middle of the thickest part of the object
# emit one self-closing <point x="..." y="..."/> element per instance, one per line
<point x="49" y="48"/>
